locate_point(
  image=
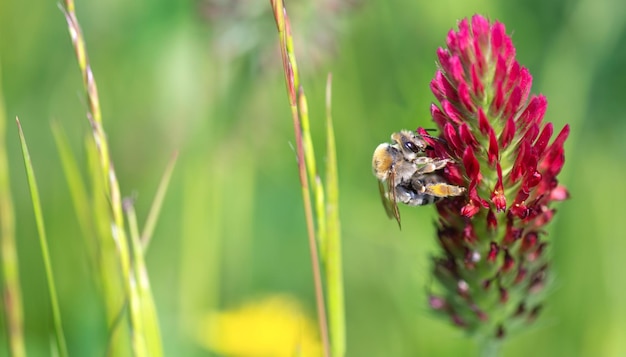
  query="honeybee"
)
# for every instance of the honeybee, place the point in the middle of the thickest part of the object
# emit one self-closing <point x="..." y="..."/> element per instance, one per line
<point x="405" y="174"/>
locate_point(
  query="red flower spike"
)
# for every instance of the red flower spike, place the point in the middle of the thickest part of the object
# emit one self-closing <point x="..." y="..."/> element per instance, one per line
<point x="503" y="153"/>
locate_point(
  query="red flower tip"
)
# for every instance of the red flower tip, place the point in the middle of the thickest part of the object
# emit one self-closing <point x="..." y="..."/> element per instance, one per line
<point x="493" y="252"/>
<point x="494" y="152"/>
<point x="559" y="193"/>
<point x="504" y="295"/>
<point x="507" y="158"/>
<point x="521" y="274"/>
<point x="492" y="221"/>
<point x="470" y="209"/>
<point x="529" y="241"/>
<point x="497" y="197"/>
<point x="472" y="167"/>
<point x="507" y="133"/>
<point x="509" y="262"/>
<point x="437" y="303"/>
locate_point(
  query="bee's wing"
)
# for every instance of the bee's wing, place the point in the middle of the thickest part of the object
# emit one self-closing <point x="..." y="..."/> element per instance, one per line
<point x="388" y="197"/>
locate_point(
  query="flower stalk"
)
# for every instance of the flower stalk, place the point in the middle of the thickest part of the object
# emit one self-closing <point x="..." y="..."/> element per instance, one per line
<point x="493" y="269"/>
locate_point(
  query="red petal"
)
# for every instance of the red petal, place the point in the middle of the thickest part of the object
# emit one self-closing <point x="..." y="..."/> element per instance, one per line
<point x="456" y="70"/>
<point x="525" y="83"/>
<point x="497" y="37"/>
<point x="451" y="137"/>
<point x="492" y="221"/>
<point x="451" y="112"/>
<point x="542" y="141"/>
<point x="442" y="89"/>
<point x="507" y="133"/>
<point x="478" y="88"/>
<point x="443" y="57"/>
<point x="531" y="134"/>
<point x="534" y="112"/>
<point x="472" y="167"/>
<point x="493" y="252"/>
<point x="498" y="99"/>
<point x="560" y="193"/>
<point x="504" y="295"/>
<point x="514" y="102"/>
<point x="493" y="154"/>
<point x="452" y="41"/>
<point x="509" y="262"/>
<point x="465" y="98"/>
<point x="438" y="116"/>
<point x="497" y="197"/>
<point x="518" y="168"/>
<point x="470" y="209"/>
<point x="483" y="123"/>
<point x="513" y="76"/>
<point x="500" y="74"/>
<point x="466" y="136"/>
<point x="480" y="29"/>
<point x="529" y="241"/>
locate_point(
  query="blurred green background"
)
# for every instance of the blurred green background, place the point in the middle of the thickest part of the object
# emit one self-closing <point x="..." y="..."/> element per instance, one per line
<point x="205" y="78"/>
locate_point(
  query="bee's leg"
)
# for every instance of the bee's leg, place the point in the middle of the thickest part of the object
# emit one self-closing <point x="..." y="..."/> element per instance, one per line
<point x="428" y="164"/>
<point x="404" y="194"/>
<point x="412" y="193"/>
<point x="443" y="190"/>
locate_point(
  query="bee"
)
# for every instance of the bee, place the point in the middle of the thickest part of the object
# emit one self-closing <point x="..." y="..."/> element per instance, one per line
<point x="405" y="174"/>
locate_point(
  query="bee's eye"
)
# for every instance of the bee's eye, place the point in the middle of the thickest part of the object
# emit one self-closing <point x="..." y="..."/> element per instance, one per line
<point x="411" y="146"/>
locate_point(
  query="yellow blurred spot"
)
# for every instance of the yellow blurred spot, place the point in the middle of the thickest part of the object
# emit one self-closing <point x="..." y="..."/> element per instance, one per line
<point x="272" y="327"/>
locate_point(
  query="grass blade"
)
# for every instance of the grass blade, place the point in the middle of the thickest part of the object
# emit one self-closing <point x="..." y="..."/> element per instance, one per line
<point x="11" y="291"/>
<point x="149" y="322"/>
<point x="333" y="263"/>
<point x="299" y="114"/>
<point x="77" y="188"/>
<point x="155" y="209"/>
<point x="34" y="194"/>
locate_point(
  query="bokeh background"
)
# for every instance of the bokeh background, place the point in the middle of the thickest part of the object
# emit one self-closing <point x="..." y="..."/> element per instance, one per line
<point x="204" y="78"/>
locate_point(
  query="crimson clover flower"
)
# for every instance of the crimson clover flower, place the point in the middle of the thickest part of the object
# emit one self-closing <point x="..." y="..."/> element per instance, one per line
<point x="493" y="269"/>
